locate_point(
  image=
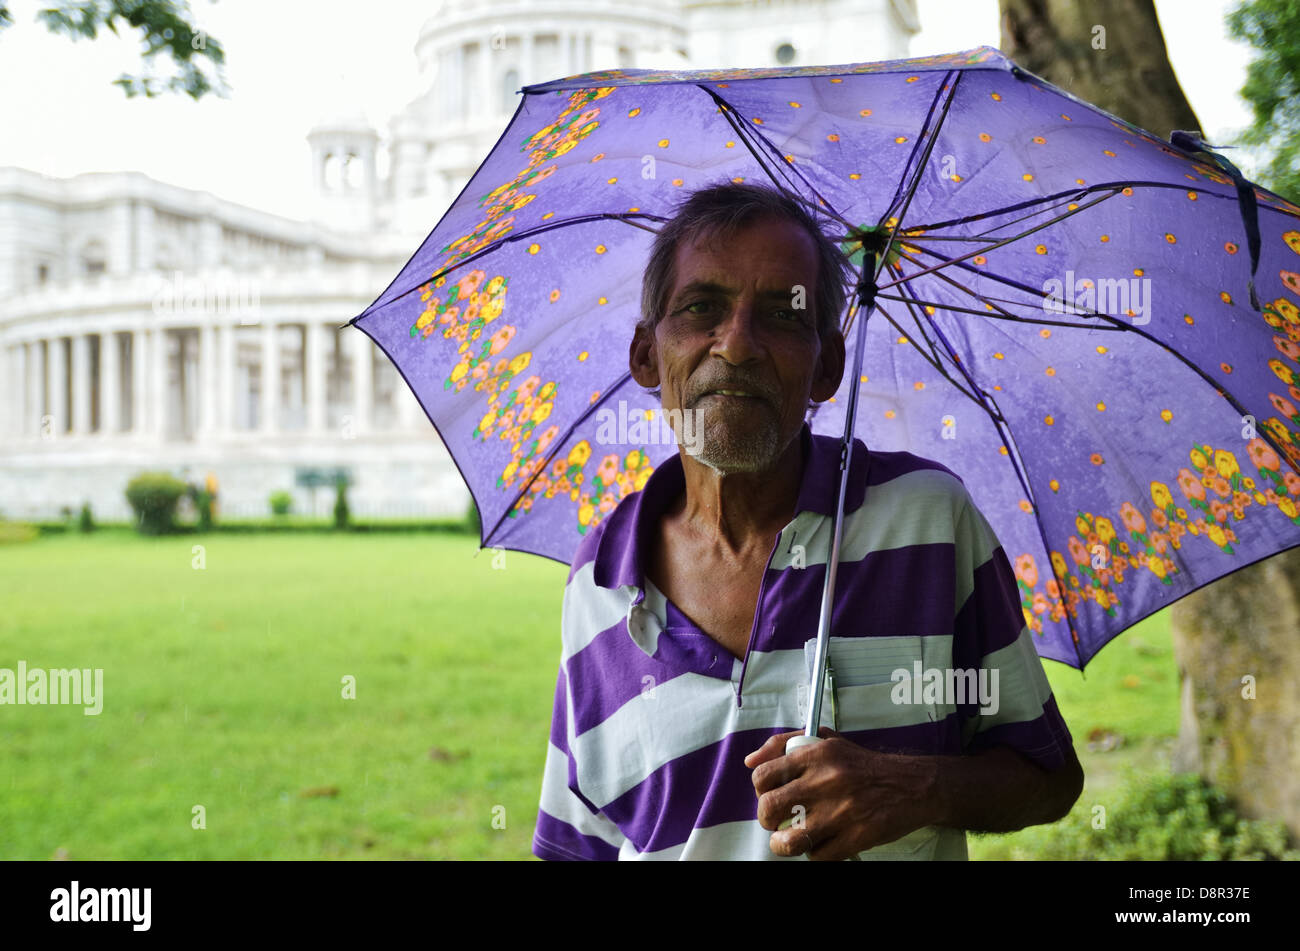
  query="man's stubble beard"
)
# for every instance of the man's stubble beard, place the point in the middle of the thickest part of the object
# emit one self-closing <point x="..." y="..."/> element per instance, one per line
<point x="729" y="446"/>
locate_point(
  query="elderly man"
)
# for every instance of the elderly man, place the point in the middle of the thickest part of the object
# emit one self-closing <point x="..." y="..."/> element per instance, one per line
<point x="690" y="612"/>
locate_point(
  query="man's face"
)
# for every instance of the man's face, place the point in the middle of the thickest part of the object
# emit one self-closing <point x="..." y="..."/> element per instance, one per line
<point x="733" y="323"/>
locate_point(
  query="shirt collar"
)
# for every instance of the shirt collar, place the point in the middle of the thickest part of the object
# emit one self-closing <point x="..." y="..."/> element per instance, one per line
<point x="618" y="553"/>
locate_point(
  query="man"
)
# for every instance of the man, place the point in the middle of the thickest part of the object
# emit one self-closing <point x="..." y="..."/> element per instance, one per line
<point x="691" y="610"/>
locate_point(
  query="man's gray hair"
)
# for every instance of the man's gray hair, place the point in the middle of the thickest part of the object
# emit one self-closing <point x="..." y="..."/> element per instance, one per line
<point x="721" y="210"/>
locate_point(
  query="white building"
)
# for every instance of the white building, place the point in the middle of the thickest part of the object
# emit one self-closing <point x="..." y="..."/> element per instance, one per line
<point x="149" y="327"/>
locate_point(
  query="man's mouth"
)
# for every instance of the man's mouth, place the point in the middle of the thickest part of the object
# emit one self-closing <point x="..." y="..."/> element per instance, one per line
<point x="744" y="393"/>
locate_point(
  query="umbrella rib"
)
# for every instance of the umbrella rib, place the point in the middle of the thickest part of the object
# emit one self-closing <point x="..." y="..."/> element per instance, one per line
<point x="999" y="314"/>
<point x="995" y="311"/>
<point x="891" y="235"/>
<point x="922" y="354"/>
<point x="1014" y="457"/>
<point x="1120" y="325"/>
<point x="951" y="353"/>
<point x="1006" y="241"/>
<point x="926" y="337"/>
<point x="745" y="133"/>
<point x="1056" y="196"/>
<point x="994" y="412"/>
<point x="953" y="77"/>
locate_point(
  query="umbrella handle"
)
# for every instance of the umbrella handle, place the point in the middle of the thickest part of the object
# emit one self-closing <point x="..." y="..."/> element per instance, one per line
<point x="793" y="744"/>
<point x="803" y="739"/>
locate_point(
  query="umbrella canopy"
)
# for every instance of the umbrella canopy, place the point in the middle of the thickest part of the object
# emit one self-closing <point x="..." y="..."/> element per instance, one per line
<point x="1064" y="316"/>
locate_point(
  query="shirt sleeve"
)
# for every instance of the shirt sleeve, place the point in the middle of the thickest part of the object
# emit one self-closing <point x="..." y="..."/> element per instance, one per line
<point x="569" y="827"/>
<point x="990" y="633"/>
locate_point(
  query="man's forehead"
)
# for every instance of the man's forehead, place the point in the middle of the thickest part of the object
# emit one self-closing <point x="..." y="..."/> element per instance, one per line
<point x="782" y="252"/>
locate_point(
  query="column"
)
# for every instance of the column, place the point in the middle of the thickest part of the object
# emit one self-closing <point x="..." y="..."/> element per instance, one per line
<point x="362" y="380"/>
<point x="139" y="382"/>
<point x="110" y="384"/>
<point x="12" y="407"/>
<point x="81" y="383"/>
<point x="159" y="390"/>
<point x="314" y="367"/>
<point x="226" y="407"/>
<point x="270" y="401"/>
<point x="526" y="70"/>
<point x="491" y="91"/>
<point x="56" y="356"/>
<point x="15" y="385"/>
<point x="208" y="387"/>
<point x="36" y="388"/>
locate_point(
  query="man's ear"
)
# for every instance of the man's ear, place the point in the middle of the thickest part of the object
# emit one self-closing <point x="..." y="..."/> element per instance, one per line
<point x="642" y="359"/>
<point x="830" y="367"/>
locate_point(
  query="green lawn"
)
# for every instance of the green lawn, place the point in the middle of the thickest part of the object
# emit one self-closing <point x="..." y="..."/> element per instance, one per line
<point x="223" y="689"/>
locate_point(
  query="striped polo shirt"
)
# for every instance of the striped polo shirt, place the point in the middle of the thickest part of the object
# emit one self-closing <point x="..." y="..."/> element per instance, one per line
<point x="653" y="718"/>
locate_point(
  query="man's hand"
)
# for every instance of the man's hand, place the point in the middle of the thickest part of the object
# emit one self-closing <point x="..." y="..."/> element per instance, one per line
<point x="853" y="798"/>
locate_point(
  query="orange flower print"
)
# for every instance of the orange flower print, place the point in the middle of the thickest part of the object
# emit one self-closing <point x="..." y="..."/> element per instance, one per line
<point x="1262" y="455"/>
<point x="1292" y="281"/>
<point x="1191" y="486"/>
<point x="1289" y="348"/>
<point x="1133" y="519"/>
<point x="1078" y="552"/>
<point x="1026" y="570"/>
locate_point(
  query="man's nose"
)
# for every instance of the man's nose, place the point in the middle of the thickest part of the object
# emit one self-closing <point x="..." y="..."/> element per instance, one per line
<point x="737" y="338"/>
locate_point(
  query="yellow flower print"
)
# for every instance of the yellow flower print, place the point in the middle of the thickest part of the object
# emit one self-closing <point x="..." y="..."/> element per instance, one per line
<point x="585" y="513"/>
<point x="1287" y="507"/>
<point x="1226" y="463"/>
<point x="1292" y="239"/>
<point x="1216" y="535"/>
<point x="1105" y="531"/>
<point x="580" y="453"/>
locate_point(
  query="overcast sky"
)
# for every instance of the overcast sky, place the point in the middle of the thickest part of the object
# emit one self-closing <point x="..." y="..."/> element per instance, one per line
<point x="290" y="63"/>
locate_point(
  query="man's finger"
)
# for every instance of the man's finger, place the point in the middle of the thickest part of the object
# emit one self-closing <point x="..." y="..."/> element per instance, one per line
<point x="772" y="749"/>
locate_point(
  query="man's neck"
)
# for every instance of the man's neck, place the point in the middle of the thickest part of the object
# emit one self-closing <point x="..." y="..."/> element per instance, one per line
<point x="738" y="509"/>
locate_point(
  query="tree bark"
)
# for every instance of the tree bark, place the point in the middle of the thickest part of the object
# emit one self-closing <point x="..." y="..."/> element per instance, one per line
<point x="1109" y="52"/>
<point x="1247" y="625"/>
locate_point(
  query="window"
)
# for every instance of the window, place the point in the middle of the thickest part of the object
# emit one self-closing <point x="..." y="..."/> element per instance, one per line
<point x="42" y="273"/>
<point x="785" y="54"/>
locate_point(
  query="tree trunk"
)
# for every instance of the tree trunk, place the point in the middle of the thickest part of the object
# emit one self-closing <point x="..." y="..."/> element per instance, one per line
<point x="1236" y="640"/>
<point x="1109" y="52"/>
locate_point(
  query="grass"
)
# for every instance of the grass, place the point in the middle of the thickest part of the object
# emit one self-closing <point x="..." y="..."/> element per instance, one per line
<point x="224" y="690"/>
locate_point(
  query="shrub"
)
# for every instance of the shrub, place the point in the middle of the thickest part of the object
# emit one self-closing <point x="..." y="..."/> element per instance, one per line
<point x="341" y="514"/>
<point x="203" y="501"/>
<point x="153" y="497"/>
<point x="281" y="503"/>
<point x="15" y="532"/>
<point x="1177" y="817"/>
<point x="87" y="522"/>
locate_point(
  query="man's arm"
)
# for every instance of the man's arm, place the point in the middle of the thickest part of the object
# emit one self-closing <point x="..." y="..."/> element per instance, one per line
<point x="999" y="790"/>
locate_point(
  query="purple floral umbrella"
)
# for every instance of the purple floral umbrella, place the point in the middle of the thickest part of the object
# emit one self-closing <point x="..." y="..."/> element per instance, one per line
<point x="1063" y="316"/>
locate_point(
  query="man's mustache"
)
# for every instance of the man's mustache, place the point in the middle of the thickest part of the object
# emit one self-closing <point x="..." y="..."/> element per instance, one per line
<point x="742" y="384"/>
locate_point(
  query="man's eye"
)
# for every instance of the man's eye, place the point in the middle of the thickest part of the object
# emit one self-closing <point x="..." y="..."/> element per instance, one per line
<point x="704" y="306"/>
<point x="784" y="314"/>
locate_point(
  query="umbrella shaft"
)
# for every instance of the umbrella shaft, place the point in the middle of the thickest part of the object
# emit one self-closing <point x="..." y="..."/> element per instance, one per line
<point x="818" y="678"/>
